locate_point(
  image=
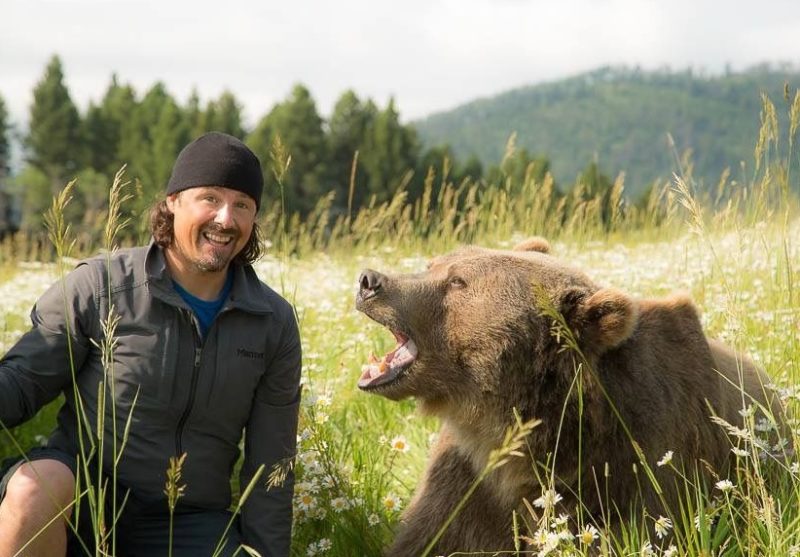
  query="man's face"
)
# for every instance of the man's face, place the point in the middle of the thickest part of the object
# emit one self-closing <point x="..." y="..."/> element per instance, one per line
<point x="212" y="224"/>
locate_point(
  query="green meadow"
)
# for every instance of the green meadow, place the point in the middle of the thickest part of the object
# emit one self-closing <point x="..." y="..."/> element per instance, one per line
<point x="734" y="246"/>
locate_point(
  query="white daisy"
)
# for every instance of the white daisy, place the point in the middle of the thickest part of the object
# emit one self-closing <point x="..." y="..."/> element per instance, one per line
<point x="666" y="459"/>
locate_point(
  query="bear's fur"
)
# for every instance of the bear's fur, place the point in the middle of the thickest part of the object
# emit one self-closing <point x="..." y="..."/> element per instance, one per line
<point x="481" y="346"/>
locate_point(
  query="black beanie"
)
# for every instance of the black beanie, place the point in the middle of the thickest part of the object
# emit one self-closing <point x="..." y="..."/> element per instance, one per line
<point x="217" y="159"/>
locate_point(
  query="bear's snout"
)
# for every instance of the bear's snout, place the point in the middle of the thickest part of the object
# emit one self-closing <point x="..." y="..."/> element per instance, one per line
<point x="369" y="283"/>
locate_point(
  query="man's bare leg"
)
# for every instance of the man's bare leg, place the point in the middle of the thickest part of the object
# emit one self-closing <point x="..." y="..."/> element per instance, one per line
<point x="36" y="493"/>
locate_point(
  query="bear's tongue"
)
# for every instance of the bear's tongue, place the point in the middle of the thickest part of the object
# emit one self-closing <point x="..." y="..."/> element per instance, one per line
<point x="377" y="372"/>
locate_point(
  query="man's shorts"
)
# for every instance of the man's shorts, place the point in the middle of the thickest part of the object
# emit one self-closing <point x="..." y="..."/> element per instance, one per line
<point x="142" y="529"/>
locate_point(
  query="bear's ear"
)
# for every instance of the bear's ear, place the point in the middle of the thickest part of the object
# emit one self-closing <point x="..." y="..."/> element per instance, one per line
<point x="604" y="319"/>
<point x="533" y="244"/>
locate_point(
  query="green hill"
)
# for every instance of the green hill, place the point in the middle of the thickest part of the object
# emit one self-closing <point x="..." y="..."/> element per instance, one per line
<point x="621" y="117"/>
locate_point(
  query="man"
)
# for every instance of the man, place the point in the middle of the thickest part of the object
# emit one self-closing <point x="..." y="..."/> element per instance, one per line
<point x="202" y="351"/>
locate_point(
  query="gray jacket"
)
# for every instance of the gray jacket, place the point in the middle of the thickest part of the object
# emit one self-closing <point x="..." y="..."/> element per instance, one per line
<point x="194" y="395"/>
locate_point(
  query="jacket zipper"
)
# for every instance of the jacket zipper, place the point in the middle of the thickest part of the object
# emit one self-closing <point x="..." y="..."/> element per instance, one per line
<point x="198" y="350"/>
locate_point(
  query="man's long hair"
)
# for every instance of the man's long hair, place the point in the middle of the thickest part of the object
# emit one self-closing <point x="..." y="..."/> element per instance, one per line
<point x="162" y="227"/>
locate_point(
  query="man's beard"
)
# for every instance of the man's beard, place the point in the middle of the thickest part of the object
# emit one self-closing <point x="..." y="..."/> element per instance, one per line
<point x="218" y="260"/>
<point x="212" y="264"/>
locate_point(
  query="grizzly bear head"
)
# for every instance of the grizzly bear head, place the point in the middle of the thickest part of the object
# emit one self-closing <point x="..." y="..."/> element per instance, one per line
<point x="473" y="322"/>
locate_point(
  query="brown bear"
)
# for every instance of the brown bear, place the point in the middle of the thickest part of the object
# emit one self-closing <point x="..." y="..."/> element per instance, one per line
<point x="475" y="344"/>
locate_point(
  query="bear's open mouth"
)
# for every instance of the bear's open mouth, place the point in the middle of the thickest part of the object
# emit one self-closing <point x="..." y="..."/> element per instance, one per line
<point x="388" y="369"/>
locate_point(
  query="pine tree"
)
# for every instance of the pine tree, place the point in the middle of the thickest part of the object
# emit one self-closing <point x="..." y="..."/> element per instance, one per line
<point x="225" y="115"/>
<point x="390" y="152"/>
<point x="5" y="144"/>
<point x="54" y="139"/>
<point x="7" y="221"/>
<point x="299" y="127"/>
<point x="99" y="139"/>
<point x="118" y="109"/>
<point x="156" y="133"/>
<point x="195" y="117"/>
<point x="347" y="133"/>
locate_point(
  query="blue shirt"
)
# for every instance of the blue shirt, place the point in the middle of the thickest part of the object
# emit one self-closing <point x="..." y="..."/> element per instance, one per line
<point x="204" y="310"/>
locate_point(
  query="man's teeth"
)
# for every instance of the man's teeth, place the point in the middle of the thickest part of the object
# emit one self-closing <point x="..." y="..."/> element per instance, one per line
<point x="218" y="239"/>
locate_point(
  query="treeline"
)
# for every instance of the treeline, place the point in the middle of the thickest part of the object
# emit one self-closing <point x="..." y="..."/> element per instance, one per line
<point x="361" y="155"/>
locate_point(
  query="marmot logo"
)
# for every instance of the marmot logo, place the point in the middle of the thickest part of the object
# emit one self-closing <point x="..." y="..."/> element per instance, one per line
<point x="242" y="353"/>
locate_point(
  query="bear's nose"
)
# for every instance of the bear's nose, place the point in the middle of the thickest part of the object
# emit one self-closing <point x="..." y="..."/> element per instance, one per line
<point x="369" y="283"/>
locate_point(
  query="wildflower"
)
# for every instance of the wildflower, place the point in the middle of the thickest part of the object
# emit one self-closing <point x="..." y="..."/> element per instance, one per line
<point x="548" y="499"/>
<point x="647" y="550"/>
<point x="339" y="504"/>
<point x="671" y="551"/>
<point x="319" y="547"/>
<point x="392" y="502"/>
<point x="373" y="519"/>
<point x="764" y="425"/>
<point x="326" y="481"/>
<point x="306" y="501"/>
<point x="318" y="513"/>
<point x="306" y="486"/>
<point x="588" y="535"/>
<point x="565" y="535"/>
<point x="540" y="537"/>
<point x="546" y="541"/>
<point x="747" y="412"/>
<point x="781" y="445"/>
<point x="666" y="459"/>
<point x="399" y="444"/>
<point x="724" y="485"/>
<point x="560" y="521"/>
<point x="739" y="452"/>
<point x="307" y="457"/>
<point x="663" y="526"/>
<point x="321" y="417"/>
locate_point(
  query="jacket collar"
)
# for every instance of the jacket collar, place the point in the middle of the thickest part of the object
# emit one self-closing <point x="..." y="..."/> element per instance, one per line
<point x="248" y="292"/>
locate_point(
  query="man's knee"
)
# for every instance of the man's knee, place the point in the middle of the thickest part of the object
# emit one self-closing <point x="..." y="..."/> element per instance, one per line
<point x="41" y="486"/>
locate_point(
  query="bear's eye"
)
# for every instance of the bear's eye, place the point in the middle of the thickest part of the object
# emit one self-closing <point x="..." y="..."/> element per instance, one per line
<point x="456" y="283"/>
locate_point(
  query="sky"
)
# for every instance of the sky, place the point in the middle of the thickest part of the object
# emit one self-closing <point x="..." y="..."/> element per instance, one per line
<point x="429" y="55"/>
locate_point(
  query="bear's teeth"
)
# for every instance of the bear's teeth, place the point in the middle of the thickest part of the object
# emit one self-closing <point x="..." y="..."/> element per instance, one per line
<point x="400" y="357"/>
<point x="373" y="370"/>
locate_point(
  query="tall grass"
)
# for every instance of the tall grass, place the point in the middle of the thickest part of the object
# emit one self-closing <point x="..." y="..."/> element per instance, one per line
<point x="734" y="246"/>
